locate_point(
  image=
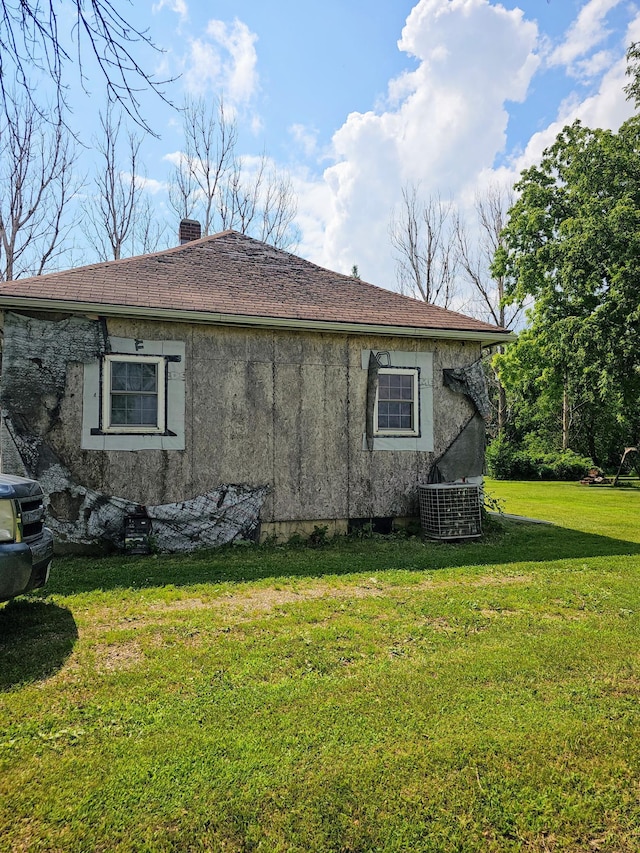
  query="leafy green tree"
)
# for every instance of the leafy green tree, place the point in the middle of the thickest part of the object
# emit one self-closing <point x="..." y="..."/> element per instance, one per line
<point x="572" y="243"/>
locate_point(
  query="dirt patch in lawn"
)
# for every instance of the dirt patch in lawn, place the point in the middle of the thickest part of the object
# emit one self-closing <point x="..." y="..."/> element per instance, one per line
<point x="268" y="598"/>
<point x="243" y="605"/>
<point x="118" y="656"/>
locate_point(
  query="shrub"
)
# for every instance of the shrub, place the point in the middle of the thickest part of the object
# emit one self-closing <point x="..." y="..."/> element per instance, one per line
<point x="507" y="461"/>
<point x="500" y="458"/>
<point x="568" y="465"/>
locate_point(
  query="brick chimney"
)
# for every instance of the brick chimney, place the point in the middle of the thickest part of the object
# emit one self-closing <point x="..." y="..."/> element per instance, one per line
<point x="189" y="230"/>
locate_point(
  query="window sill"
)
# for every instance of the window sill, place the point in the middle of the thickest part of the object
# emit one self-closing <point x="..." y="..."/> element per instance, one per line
<point x="97" y="431"/>
<point x="396" y="434"/>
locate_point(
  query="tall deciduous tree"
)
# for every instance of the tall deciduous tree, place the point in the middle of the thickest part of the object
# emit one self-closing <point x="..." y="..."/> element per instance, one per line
<point x="119" y="219"/>
<point x="37" y="183"/>
<point x="257" y="199"/>
<point x="221" y="189"/>
<point x="210" y="138"/>
<point x="423" y="236"/>
<point x="477" y="245"/>
<point x="572" y="243"/>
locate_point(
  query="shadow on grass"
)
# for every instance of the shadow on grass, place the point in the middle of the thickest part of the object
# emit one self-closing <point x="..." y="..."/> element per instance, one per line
<point x="506" y="542"/>
<point x="36" y="637"/>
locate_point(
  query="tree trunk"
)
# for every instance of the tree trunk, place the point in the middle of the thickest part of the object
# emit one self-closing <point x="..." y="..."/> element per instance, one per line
<point x="565" y="418"/>
<point x="502" y="408"/>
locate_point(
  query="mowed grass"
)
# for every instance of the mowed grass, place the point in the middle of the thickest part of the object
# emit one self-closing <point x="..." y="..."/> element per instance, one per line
<point x="370" y="695"/>
<point x="601" y="510"/>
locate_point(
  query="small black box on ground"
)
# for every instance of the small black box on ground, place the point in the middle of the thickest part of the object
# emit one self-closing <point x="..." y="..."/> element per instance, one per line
<point x="137" y="530"/>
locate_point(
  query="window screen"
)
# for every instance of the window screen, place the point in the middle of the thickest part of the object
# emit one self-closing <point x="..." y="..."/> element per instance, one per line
<point x="396" y="404"/>
<point x="134" y="393"/>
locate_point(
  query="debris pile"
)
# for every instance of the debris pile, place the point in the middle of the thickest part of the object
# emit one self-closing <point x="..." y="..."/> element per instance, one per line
<point x="595" y="477"/>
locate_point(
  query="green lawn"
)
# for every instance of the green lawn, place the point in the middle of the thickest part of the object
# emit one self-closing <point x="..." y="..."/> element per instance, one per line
<point x="371" y="695"/>
<point x="602" y="510"/>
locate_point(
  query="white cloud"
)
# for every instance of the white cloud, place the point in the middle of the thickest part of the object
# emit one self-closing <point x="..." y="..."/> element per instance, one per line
<point x="174" y="157"/>
<point x="238" y="40"/>
<point x="587" y="31"/>
<point x="305" y="138"/>
<point x="445" y="122"/>
<point x="204" y="68"/>
<point x="608" y="107"/>
<point x="256" y="124"/>
<point x="177" y="6"/>
<point x="444" y="125"/>
<point x="224" y="61"/>
<point x="594" y="65"/>
<point x="151" y="185"/>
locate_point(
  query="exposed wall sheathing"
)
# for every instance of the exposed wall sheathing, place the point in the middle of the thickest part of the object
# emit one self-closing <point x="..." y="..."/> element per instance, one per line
<point x="281" y="413"/>
<point x="37" y="353"/>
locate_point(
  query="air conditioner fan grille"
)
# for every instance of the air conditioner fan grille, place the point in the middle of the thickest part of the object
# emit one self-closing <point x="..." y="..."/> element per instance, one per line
<point x="450" y="510"/>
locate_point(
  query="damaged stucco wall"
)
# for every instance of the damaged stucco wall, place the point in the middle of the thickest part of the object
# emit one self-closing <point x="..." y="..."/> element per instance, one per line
<point x="36" y="353"/>
<point x="41" y="385"/>
<point x="81" y="516"/>
<point x="280" y="414"/>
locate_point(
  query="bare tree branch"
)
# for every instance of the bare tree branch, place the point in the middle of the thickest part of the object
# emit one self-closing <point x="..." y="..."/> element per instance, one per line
<point x="487" y="291"/>
<point x="210" y="141"/>
<point x="149" y="234"/>
<point x="30" y="38"/>
<point x="182" y="190"/>
<point x="476" y="256"/>
<point x="240" y="196"/>
<point x="37" y="182"/>
<point x="119" y="220"/>
<point x="424" y="239"/>
<point x="279" y="209"/>
<point x="223" y="190"/>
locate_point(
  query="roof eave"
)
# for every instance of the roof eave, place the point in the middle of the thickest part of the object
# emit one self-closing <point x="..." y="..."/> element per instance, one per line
<point x="487" y="338"/>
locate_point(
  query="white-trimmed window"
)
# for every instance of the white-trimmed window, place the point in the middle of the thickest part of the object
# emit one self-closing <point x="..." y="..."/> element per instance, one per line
<point x="133" y="394"/>
<point x="397" y="406"/>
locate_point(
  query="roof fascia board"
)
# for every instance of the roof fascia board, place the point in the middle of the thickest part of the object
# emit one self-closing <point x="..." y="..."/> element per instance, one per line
<point x="217" y="318"/>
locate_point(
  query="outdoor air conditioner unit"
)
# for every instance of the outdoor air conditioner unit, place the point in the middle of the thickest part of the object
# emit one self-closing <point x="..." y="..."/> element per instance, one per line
<point x="450" y="510"/>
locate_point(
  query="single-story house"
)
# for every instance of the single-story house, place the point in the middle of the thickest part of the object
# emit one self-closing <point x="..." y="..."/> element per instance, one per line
<point x="227" y="389"/>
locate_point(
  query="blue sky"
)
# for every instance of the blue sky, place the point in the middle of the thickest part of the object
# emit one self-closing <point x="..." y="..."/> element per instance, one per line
<point x="358" y="98"/>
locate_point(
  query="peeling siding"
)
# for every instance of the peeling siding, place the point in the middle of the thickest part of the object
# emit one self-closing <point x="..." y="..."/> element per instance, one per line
<point x="282" y="413"/>
<point x="82" y="517"/>
<point x="36" y="355"/>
